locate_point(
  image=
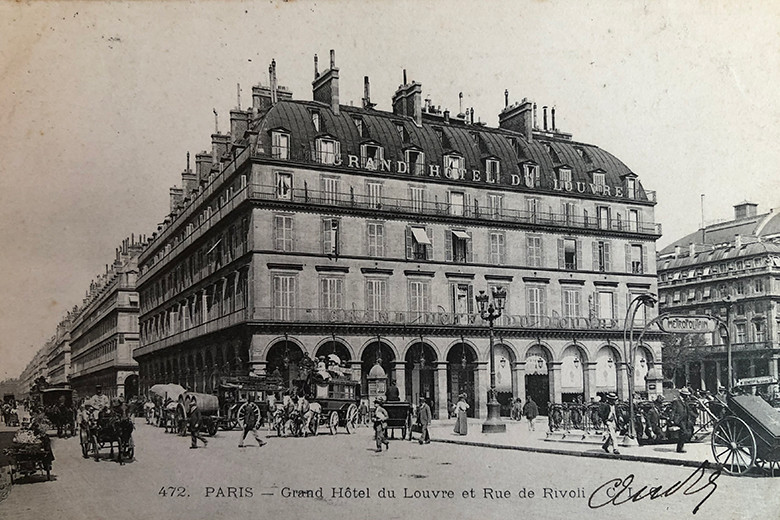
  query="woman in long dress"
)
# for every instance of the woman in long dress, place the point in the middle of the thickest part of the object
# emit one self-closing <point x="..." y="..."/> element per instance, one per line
<point x="461" y="426"/>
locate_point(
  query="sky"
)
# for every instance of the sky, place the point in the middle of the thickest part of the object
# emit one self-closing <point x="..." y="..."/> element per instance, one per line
<point x="101" y="101"/>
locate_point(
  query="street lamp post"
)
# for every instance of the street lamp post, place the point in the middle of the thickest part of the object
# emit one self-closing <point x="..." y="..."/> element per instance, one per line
<point x="490" y="312"/>
<point x="647" y="300"/>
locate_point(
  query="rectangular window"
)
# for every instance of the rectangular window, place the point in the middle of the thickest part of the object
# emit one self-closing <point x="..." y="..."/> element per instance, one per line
<point x="280" y="145"/>
<point x="568" y="253"/>
<point x="637" y="263"/>
<point x="706" y="293"/>
<point x="534" y="250"/>
<point x="691" y="294"/>
<point x="531" y="172"/>
<point x="453" y="166"/>
<point x="331" y="293"/>
<point x="741" y="333"/>
<point x="533" y="207"/>
<point x="330" y="190"/>
<point x="633" y="220"/>
<point x="284" y="296"/>
<point x="571" y="303"/>
<point x="604" y="217"/>
<point x="758" y="286"/>
<point x="564" y="176"/>
<point x="605" y="305"/>
<point x="376" y="293"/>
<point x="330" y="236"/>
<point x="416" y="162"/>
<point x="631" y="188"/>
<point x="283" y="232"/>
<point x="492" y="170"/>
<point x="417" y="197"/>
<point x="457" y="201"/>
<point x="461" y="246"/>
<point x="599" y="179"/>
<point x="283" y="185"/>
<point x="374" y="194"/>
<point x="602" y="256"/>
<point x="535" y="297"/>
<point x="371" y="156"/>
<point x="569" y="212"/>
<point x="328" y="151"/>
<point x="497" y="248"/>
<point x="419" y="298"/>
<point x="676" y="297"/>
<point x="760" y="331"/>
<point x="419" y="245"/>
<point x="495" y="204"/>
<point x="376" y="239"/>
<point x="462" y="301"/>
<point x="740" y="288"/>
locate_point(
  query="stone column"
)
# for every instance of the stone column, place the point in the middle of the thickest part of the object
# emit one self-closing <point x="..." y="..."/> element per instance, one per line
<point x="687" y="374"/>
<point x="400" y="378"/>
<point x="622" y="381"/>
<point x="717" y="374"/>
<point x="441" y="389"/>
<point x="481" y="385"/>
<point x="702" y="378"/>
<point x="554" y="372"/>
<point x="589" y="380"/>
<point x="518" y="380"/>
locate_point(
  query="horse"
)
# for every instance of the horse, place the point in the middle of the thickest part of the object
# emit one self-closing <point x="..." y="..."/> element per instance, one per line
<point x="109" y="430"/>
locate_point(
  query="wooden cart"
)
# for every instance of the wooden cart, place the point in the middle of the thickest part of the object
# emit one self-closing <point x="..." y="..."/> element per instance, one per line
<point x="29" y="459"/>
<point x="400" y="416"/>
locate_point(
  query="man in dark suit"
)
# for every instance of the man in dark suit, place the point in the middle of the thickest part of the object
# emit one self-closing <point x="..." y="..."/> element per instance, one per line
<point x="608" y="415"/>
<point x="195" y="420"/>
<point x="684" y="414"/>
<point x="393" y="394"/>
<point x="250" y="423"/>
<point x="424" y="418"/>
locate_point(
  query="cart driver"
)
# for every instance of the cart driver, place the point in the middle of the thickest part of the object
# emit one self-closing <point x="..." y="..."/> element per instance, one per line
<point x="100" y="401"/>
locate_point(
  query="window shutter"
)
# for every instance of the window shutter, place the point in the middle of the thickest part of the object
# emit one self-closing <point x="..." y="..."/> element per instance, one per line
<point x="595" y="255"/>
<point x="579" y="254"/>
<point x="292" y="234"/>
<point x="528" y="251"/>
<point x="628" y="258"/>
<point x="644" y="260"/>
<point x="326" y="246"/>
<point x="466" y="205"/>
<point x="337" y="150"/>
<point x="469" y="250"/>
<point x="277" y="232"/>
<point x="448" y="245"/>
<point x="409" y="243"/>
<point x="368" y="239"/>
<point x="596" y="304"/>
<point x="561" y="263"/>
<point x="454" y="298"/>
<point x="429" y="248"/>
<point x="607" y="256"/>
<point x="502" y="248"/>
<point x="471" y="299"/>
<point x="542" y="302"/>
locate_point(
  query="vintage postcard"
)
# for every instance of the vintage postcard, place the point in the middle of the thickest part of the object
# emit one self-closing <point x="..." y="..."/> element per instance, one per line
<point x="389" y="260"/>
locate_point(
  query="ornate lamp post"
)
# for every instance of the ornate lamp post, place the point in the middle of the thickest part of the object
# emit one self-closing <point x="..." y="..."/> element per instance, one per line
<point x="629" y="350"/>
<point x="490" y="312"/>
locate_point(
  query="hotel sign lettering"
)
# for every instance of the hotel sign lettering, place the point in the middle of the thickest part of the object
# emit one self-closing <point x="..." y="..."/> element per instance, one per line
<point x="684" y="324"/>
<point x="528" y="179"/>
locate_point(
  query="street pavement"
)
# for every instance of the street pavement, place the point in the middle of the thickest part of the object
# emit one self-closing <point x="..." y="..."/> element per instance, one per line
<point x="302" y="478"/>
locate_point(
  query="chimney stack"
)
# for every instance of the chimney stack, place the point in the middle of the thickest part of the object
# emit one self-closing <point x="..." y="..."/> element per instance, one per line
<point x="692" y="249"/>
<point x="367" y="94"/>
<point x="446" y="116"/>
<point x="219" y="146"/>
<point x="677" y="251"/>
<point x="544" y="117"/>
<point x="407" y="101"/>
<point x="316" y="69"/>
<point x="189" y="181"/>
<point x="325" y="88"/>
<point x="536" y="125"/>
<point x="203" y="166"/>
<point x="506" y="98"/>
<point x="737" y="240"/>
<point x="239" y="123"/>
<point x="177" y="194"/>
<point x="552" y="116"/>
<point x="518" y="118"/>
<point x="745" y="209"/>
<point x="272" y="77"/>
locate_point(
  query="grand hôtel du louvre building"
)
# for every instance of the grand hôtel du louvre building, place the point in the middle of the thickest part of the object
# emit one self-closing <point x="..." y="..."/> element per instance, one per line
<point x="318" y="227"/>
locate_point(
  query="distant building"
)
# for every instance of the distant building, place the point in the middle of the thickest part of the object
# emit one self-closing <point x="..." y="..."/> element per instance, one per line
<point x="105" y="331"/>
<point x="58" y="354"/>
<point x="319" y="228"/>
<point x="731" y="270"/>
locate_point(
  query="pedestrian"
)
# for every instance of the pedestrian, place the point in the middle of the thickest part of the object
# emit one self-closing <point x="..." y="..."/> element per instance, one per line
<point x="530" y="411"/>
<point x="608" y="415"/>
<point x="380" y="424"/>
<point x="424" y="418"/>
<point x="393" y="394"/>
<point x="461" y="425"/>
<point x="684" y="414"/>
<point x="517" y="409"/>
<point x="363" y="413"/>
<point x="195" y="421"/>
<point x="250" y="423"/>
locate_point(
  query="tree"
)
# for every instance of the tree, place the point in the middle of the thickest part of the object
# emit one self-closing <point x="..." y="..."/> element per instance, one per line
<point x="679" y="350"/>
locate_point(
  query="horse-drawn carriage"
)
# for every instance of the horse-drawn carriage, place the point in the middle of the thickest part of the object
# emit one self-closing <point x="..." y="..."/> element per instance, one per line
<point x="238" y="394"/>
<point x="57" y="403"/>
<point x="104" y="431"/>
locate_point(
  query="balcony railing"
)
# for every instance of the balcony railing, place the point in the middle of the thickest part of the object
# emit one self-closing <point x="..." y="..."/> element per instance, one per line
<point x="148" y="345"/>
<point x="742" y="347"/>
<point x="444" y="208"/>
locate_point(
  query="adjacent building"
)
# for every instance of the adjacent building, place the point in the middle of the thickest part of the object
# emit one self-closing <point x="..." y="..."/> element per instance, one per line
<point x="318" y="228"/>
<point x="730" y="270"/>
<point x="104" y="332"/>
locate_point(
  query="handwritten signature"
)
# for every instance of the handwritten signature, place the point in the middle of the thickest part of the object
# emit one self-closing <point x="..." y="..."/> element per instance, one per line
<point x="618" y="491"/>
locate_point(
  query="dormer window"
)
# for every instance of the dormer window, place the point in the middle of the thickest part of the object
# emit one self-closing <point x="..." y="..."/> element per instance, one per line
<point x="280" y="145"/>
<point x="439" y="134"/>
<point x="531" y="175"/>
<point x="371" y="156"/>
<point x="359" y="125"/>
<point x="564" y="176"/>
<point x="401" y="132"/>
<point x="551" y="152"/>
<point x="599" y="179"/>
<point x="416" y="161"/>
<point x="583" y="154"/>
<point x="631" y="188"/>
<point x="453" y="166"/>
<point x="475" y="137"/>
<point x="315" y="120"/>
<point x="492" y="170"/>
<point x="328" y="151"/>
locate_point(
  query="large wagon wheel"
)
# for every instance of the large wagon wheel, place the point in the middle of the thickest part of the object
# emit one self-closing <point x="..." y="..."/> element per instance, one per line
<point x="351" y="421"/>
<point x="333" y="422"/>
<point x="211" y="427"/>
<point x="84" y="440"/>
<point x="733" y="445"/>
<point x="242" y="414"/>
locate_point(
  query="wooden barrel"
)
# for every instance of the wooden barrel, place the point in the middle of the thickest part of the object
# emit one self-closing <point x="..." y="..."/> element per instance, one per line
<point x="207" y="403"/>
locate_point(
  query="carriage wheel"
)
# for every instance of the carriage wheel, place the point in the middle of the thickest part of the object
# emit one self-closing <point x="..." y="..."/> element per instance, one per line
<point x="241" y="414"/>
<point x="333" y="422"/>
<point x="84" y="440"/>
<point x="351" y="422"/>
<point x="733" y="445"/>
<point x="212" y="428"/>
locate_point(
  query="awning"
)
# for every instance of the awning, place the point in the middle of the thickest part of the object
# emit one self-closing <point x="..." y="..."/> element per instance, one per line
<point x="420" y="236"/>
<point x="461" y="234"/>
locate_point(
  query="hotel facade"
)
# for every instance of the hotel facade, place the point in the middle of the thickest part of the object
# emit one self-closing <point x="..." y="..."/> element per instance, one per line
<point x="318" y="228"/>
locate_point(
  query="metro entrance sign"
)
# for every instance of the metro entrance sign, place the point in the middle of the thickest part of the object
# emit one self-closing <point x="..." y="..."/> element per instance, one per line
<point x="687" y="324"/>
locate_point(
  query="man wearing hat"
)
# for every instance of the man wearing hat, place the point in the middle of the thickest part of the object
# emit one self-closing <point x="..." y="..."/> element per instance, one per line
<point x="608" y="415"/>
<point x="424" y="418"/>
<point x="100" y="401"/>
<point x="684" y="414"/>
<point x="195" y="421"/>
<point x="380" y="424"/>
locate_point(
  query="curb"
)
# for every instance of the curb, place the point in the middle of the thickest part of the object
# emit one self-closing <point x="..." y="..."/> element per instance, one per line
<point x="554" y="451"/>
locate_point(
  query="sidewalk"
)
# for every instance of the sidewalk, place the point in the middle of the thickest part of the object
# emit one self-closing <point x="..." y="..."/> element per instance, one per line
<point x="517" y="437"/>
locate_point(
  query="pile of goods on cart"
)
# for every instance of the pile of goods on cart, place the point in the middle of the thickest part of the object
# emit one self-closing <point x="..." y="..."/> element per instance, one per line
<point x="30" y="452"/>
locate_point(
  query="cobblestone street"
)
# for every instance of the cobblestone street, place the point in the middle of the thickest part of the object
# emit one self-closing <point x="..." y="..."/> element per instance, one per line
<point x="215" y="482"/>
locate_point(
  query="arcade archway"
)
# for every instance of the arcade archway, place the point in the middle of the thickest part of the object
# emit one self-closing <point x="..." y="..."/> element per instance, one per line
<point x="461" y="376"/>
<point x="283" y="361"/>
<point x="537" y="376"/>
<point x="420" y="372"/>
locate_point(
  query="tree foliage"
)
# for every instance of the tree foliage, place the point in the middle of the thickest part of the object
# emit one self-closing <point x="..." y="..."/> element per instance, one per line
<point x="681" y="349"/>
